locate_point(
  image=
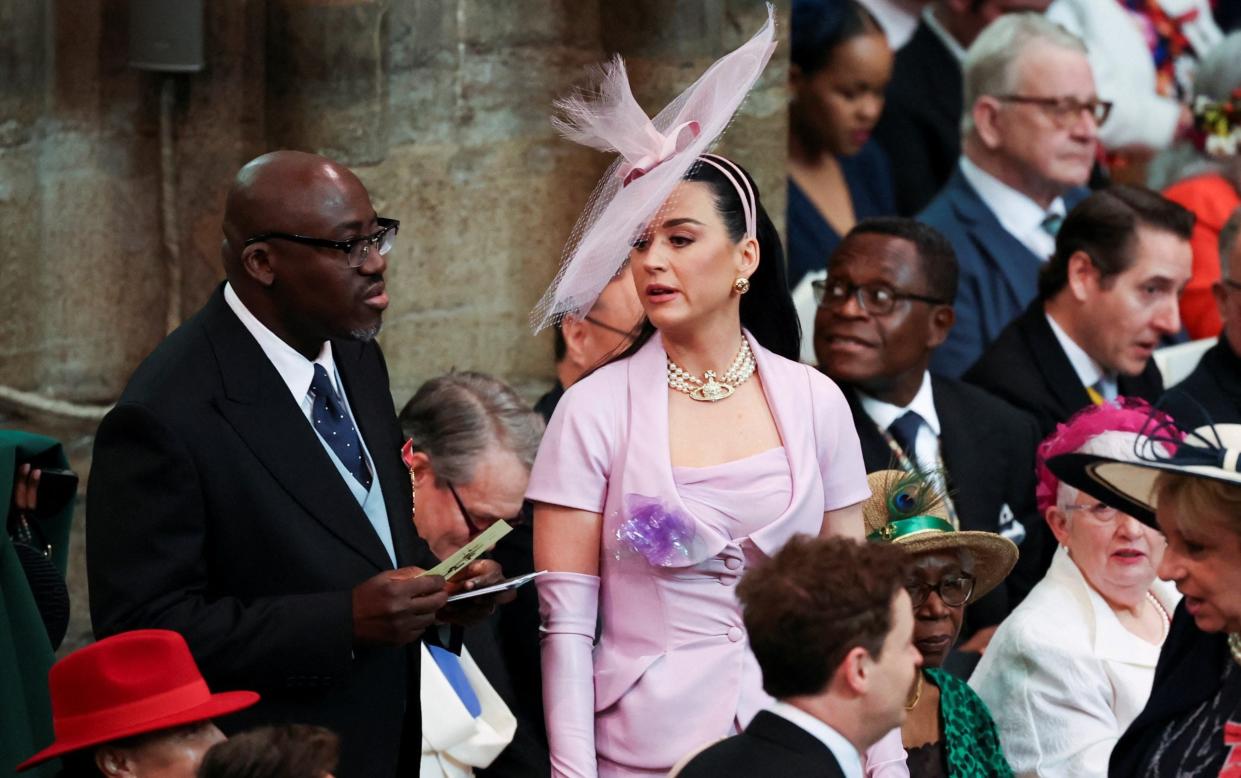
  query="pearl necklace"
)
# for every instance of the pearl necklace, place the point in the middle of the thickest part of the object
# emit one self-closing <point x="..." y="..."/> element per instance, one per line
<point x="711" y="388"/>
<point x="1166" y="621"/>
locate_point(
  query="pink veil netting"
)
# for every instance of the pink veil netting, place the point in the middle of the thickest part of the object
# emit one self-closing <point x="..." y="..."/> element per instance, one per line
<point x="654" y="155"/>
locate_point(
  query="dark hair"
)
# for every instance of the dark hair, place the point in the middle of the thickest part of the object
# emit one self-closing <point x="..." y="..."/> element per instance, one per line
<point x="286" y="751"/>
<point x="938" y="260"/>
<point x="819" y="26"/>
<point x="79" y="764"/>
<point x="1104" y="226"/>
<point x="815" y="601"/>
<point x="559" y="346"/>
<point x="767" y="309"/>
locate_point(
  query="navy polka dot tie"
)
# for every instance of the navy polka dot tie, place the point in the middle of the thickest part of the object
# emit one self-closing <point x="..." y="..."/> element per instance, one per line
<point x="334" y="425"/>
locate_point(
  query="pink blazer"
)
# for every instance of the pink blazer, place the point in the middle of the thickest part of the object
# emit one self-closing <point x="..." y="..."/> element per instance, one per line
<point x="672" y="666"/>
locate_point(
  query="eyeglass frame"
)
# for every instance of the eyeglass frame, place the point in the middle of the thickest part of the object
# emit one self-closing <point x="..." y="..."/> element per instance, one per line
<point x="375" y="239"/>
<point x="819" y="289"/>
<point x="1095" y="511"/>
<point x="1231" y="285"/>
<point x="630" y="334"/>
<point x="470" y="524"/>
<point x="938" y="588"/>
<point x="1062" y="109"/>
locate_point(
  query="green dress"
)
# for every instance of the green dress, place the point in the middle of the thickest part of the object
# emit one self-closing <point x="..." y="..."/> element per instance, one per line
<point x="25" y="651"/>
<point x="971" y="743"/>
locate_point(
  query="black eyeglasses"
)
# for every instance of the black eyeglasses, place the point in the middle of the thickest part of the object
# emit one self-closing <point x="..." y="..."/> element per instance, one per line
<point x="615" y="330"/>
<point x="953" y="590"/>
<point x="1064" y="110"/>
<point x="356" y="249"/>
<point x="470" y="523"/>
<point x="878" y="299"/>
<point x="1233" y="285"/>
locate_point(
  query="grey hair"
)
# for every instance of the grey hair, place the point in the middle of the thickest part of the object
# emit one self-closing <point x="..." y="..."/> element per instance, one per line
<point x="1219" y="72"/>
<point x="1228" y="239"/>
<point x="990" y="64"/>
<point x="455" y="417"/>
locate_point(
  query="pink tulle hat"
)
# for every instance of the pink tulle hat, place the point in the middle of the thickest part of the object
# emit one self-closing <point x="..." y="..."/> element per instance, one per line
<point x="654" y="156"/>
<point x="1125" y="414"/>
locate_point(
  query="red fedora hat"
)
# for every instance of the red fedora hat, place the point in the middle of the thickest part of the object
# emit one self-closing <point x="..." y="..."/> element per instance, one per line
<point x="129" y="684"/>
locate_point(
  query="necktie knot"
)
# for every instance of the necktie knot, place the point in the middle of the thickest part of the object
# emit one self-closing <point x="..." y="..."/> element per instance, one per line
<point x="905" y="432"/>
<point x="1051" y="223"/>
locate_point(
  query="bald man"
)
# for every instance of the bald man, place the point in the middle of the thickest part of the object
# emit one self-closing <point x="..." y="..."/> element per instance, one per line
<point x="247" y="489"/>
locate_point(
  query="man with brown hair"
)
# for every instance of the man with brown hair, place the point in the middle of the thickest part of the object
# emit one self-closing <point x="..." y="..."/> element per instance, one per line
<point x="832" y="628"/>
<point x="1107" y="298"/>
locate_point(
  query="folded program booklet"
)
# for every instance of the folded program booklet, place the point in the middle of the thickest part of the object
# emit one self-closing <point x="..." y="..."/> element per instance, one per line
<point x="503" y="586"/>
<point x="471" y="551"/>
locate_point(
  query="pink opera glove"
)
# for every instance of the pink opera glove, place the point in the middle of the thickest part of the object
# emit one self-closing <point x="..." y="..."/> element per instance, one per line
<point x="886" y="758"/>
<point x="568" y="610"/>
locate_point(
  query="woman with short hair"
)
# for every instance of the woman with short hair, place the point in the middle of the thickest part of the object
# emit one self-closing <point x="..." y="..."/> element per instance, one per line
<point x="1072" y="665"/>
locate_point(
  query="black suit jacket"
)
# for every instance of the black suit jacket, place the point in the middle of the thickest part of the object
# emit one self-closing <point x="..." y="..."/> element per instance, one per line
<point x="771" y="745"/>
<point x="921" y="124"/>
<point x="1027" y="367"/>
<point x="215" y="512"/>
<point x="988" y="450"/>
<point x="1188" y="674"/>
<point x="1211" y="394"/>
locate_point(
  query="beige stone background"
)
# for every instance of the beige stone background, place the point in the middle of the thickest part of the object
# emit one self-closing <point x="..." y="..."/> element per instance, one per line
<point x="112" y="179"/>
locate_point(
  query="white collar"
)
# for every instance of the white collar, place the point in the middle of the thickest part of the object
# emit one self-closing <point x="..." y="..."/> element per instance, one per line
<point x="295" y="369"/>
<point x="1018" y="214"/>
<point x="923" y="403"/>
<point x="844" y="751"/>
<point x="945" y="37"/>
<point x="1089" y="372"/>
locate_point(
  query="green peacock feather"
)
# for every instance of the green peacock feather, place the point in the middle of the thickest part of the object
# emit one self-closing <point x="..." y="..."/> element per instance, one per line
<point x="916" y="493"/>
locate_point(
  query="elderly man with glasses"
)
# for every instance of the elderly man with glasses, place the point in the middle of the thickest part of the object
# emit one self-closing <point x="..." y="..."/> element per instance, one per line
<point x="247" y="489"/>
<point x="885" y="306"/>
<point x="472" y="441"/>
<point x="1029" y="135"/>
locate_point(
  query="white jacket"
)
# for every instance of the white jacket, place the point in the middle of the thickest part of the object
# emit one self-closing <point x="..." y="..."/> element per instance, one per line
<point x="453" y="741"/>
<point x="1124" y="71"/>
<point x="1063" y="678"/>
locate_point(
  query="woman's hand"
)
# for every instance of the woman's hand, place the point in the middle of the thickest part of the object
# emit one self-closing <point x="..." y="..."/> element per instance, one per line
<point x="26" y="488"/>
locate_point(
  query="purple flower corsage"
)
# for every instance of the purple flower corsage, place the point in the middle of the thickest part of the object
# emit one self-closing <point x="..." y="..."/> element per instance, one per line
<point x="660" y="534"/>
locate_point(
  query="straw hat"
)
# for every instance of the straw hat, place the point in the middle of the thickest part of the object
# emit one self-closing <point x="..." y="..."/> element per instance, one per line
<point x="919" y="523"/>
<point x="129" y="684"/>
<point x="1211" y="452"/>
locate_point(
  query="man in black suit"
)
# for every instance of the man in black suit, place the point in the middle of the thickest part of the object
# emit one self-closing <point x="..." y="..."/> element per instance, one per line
<point x="1106" y="299"/>
<point x="1211" y="394"/>
<point x="886" y="306"/>
<point x="222" y="508"/>
<point x="921" y="124"/>
<point x="832" y="628"/>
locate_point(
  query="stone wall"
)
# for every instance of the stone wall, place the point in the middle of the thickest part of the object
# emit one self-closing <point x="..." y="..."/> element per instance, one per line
<point x="440" y="105"/>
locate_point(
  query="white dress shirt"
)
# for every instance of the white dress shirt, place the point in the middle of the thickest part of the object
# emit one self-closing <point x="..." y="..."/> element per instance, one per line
<point x="1089" y="372"/>
<point x="1020" y="216"/>
<point x="846" y="755"/>
<point x="926" y="445"/>
<point x="1063" y="678"/>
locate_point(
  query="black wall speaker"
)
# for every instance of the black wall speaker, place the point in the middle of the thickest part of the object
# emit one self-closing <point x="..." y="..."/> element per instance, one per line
<point x="166" y="35"/>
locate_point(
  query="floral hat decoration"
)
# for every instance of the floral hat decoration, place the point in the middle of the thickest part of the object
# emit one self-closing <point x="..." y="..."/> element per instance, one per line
<point x="653" y="156"/>
<point x="1217" y="124"/>
<point x="909" y="510"/>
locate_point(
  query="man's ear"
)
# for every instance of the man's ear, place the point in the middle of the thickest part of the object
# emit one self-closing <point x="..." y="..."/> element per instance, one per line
<point x="420" y="464"/>
<point x="1083" y="276"/>
<point x="942" y="319"/>
<point x="575" y="336"/>
<point x="986" y="113"/>
<point x="114" y="762"/>
<point x="854" y="672"/>
<point x="1221" y="299"/>
<point x="257" y="263"/>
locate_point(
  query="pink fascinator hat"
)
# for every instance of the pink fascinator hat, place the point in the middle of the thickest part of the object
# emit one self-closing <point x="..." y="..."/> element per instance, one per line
<point x="1124" y="415"/>
<point x="653" y="156"/>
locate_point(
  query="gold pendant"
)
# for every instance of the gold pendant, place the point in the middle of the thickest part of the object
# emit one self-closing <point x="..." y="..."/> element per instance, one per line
<point x="712" y="390"/>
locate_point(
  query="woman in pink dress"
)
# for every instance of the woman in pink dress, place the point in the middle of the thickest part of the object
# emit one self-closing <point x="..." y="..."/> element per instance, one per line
<point x="666" y="473"/>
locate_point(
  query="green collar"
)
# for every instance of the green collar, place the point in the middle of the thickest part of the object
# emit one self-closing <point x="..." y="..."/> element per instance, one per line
<point x="894" y="530"/>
